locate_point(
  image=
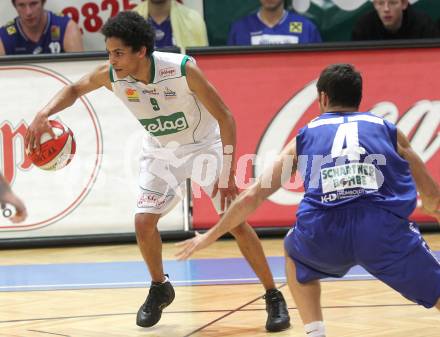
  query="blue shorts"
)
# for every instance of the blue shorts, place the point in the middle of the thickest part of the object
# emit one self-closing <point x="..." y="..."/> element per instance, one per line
<point x="328" y="243"/>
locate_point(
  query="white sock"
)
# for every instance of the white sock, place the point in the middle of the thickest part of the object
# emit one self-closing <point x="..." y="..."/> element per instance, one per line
<point x="166" y="279"/>
<point x="315" y="329"/>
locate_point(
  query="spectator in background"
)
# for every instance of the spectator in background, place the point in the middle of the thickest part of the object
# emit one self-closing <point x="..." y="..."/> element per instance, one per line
<point x="394" y="19"/>
<point x="7" y="198"/>
<point x="36" y="31"/>
<point x="272" y="24"/>
<point x="175" y="24"/>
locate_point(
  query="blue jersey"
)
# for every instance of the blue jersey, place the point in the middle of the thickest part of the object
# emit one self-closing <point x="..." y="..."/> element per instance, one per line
<point x="51" y="41"/>
<point x="292" y="28"/>
<point x="163" y="33"/>
<point x="351" y="159"/>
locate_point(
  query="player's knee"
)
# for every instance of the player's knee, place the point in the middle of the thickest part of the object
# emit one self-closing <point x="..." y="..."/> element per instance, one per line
<point x="240" y="230"/>
<point x="146" y="223"/>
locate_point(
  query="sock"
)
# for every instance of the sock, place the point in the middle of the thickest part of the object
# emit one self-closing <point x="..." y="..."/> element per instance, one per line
<point x="164" y="281"/>
<point x="315" y="329"/>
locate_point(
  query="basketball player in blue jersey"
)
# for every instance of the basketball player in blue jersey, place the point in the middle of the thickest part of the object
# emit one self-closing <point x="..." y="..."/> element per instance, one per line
<point x="272" y="24"/>
<point x="360" y="178"/>
<point x="37" y="31"/>
<point x="184" y="119"/>
<point x="8" y="197"/>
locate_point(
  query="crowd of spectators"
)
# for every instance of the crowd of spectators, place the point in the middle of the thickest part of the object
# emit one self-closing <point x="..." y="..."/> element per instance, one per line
<point x="37" y="30"/>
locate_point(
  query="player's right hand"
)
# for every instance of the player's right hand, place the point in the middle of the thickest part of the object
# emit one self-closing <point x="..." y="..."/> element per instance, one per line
<point x="432" y="208"/>
<point x="227" y="189"/>
<point x="39" y="125"/>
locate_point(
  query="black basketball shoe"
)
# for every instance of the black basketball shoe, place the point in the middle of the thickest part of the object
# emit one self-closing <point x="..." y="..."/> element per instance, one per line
<point x="278" y="318"/>
<point x="160" y="296"/>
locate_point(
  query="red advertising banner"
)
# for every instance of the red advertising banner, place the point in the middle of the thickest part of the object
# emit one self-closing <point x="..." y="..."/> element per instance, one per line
<point x="272" y="95"/>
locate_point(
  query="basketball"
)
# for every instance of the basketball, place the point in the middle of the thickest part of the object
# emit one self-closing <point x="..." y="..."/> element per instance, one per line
<point x="55" y="153"/>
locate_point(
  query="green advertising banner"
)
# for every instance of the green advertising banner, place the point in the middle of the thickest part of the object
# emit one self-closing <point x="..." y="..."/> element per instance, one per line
<point x="334" y="18"/>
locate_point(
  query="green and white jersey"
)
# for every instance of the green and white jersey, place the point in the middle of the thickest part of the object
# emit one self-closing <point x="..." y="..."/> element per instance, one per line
<point x="167" y="109"/>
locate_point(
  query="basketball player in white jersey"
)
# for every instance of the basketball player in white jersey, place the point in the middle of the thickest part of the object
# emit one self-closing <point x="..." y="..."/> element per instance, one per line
<point x="185" y="120"/>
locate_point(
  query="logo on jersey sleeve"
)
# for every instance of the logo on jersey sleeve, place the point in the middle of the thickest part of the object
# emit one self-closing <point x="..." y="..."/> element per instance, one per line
<point x="11" y="30"/>
<point x="165" y="125"/>
<point x="132" y="95"/>
<point x="296" y="27"/>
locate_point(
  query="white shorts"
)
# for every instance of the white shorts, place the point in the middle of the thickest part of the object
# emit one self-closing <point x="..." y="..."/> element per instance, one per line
<point x="162" y="178"/>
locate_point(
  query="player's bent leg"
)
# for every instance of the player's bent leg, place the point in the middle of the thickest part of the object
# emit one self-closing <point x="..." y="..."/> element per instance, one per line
<point x="307" y="297"/>
<point x="250" y="246"/>
<point x="161" y="292"/>
<point x="402" y="259"/>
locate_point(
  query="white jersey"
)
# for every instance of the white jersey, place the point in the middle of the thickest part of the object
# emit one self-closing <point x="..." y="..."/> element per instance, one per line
<point x="166" y="107"/>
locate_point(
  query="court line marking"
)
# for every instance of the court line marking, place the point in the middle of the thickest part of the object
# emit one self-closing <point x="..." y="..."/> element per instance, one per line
<point x="227" y="314"/>
<point x="202" y="311"/>
<point x="176" y="282"/>
<point x="49" y="333"/>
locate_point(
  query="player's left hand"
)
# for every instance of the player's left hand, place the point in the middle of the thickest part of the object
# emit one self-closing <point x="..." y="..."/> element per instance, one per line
<point x="188" y="247"/>
<point x="227" y="188"/>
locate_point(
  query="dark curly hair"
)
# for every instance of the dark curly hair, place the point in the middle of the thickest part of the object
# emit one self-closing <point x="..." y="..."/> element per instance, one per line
<point x="13" y="2"/>
<point x="132" y="29"/>
<point x="343" y="85"/>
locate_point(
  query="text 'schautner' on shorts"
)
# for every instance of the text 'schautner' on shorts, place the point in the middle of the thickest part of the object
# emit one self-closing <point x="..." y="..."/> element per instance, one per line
<point x="162" y="178"/>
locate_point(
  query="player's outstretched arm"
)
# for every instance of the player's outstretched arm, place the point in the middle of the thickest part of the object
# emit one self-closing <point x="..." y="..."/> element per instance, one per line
<point x="426" y="186"/>
<point x="247" y="202"/>
<point x="62" y="100"/>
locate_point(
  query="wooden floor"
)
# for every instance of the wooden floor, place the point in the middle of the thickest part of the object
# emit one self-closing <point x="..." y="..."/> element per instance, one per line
<point x="351" y="308"/>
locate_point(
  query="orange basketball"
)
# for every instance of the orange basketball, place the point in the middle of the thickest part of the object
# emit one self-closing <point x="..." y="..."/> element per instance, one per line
<point x="55" y="153"/>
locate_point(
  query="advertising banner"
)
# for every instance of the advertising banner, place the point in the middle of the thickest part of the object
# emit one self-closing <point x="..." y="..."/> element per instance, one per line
<point x="96" y="193"/>
<point x="273" y="95"/>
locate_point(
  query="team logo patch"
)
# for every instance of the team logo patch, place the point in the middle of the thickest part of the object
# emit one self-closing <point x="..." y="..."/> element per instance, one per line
<point x="11" y="30"/>
<point x="150" y="92"/>
<point x="169" y="93"/>
<point x="296" y="27"/>
<point x="132" y="95"/>
<point x="55" y="32"/>
<point x="167" y="72"/>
